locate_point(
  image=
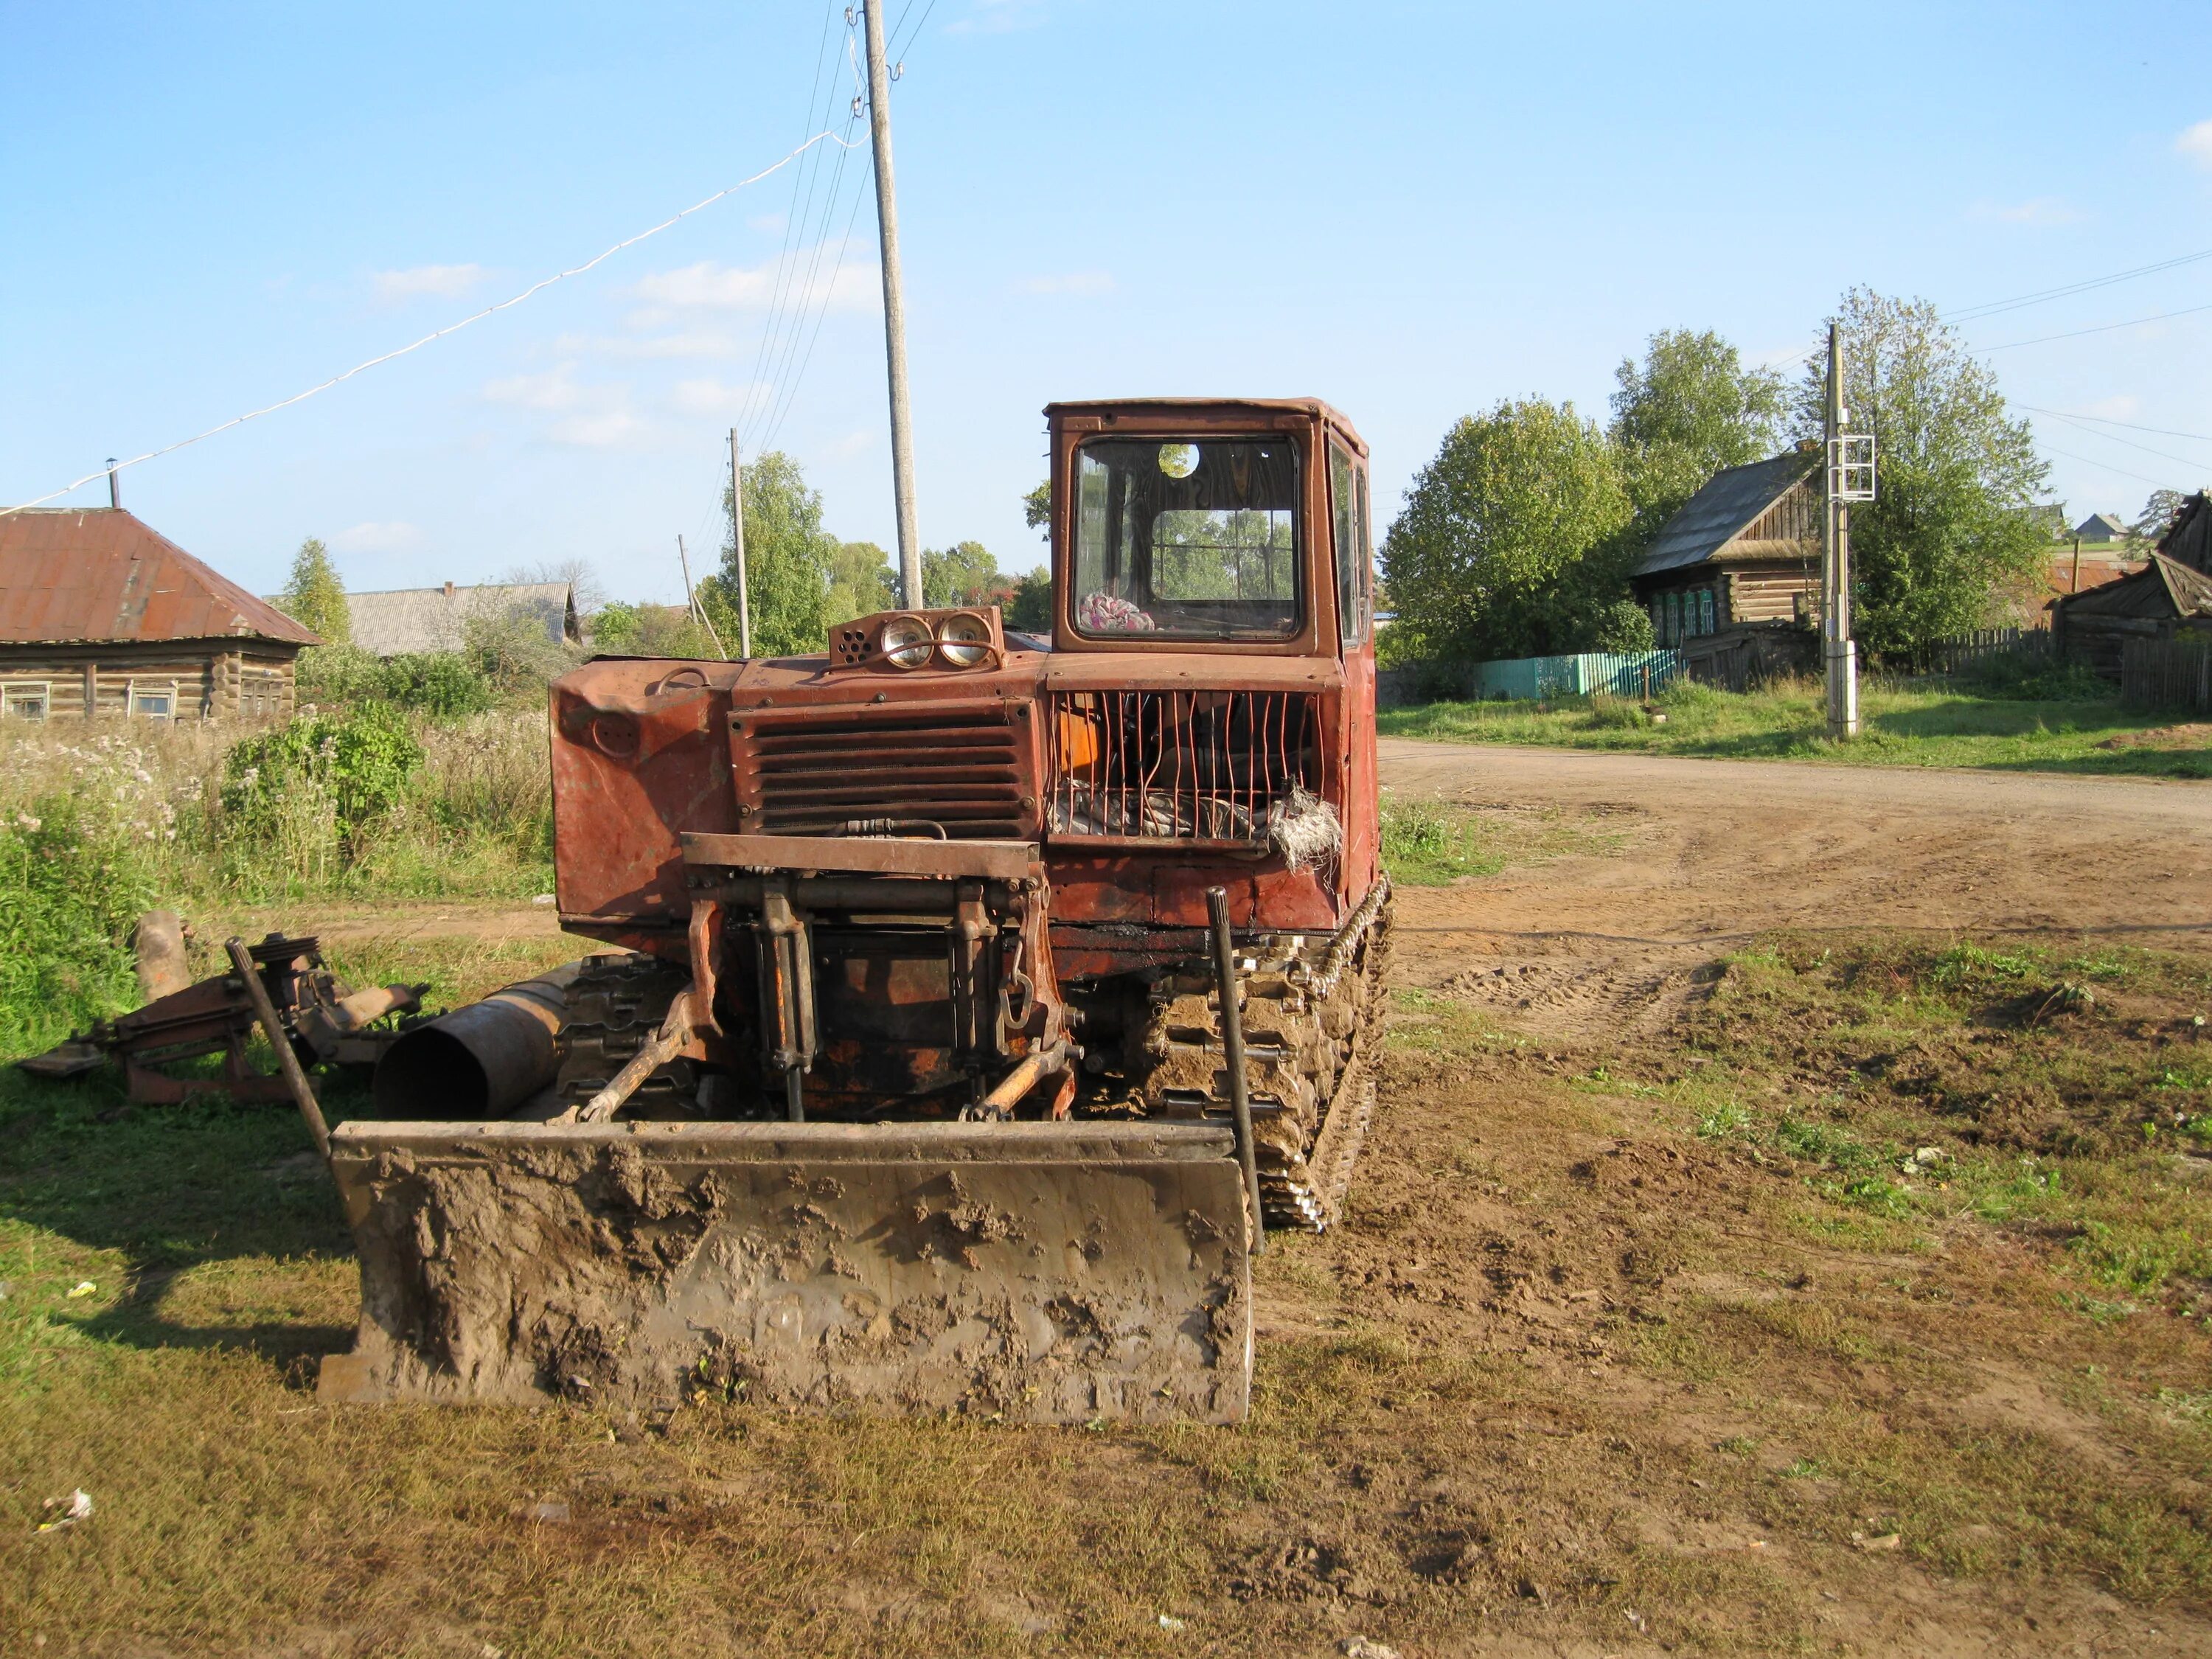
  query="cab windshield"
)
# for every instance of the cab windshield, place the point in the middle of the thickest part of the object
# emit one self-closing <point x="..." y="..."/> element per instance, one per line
<point x="1192" y="538"/>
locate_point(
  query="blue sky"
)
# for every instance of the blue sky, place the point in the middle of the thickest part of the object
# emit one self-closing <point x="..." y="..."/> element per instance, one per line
<point x="1411" y="210"/>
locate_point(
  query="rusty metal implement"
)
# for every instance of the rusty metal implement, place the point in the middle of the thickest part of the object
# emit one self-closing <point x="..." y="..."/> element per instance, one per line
<point x="1050" y="1272"/>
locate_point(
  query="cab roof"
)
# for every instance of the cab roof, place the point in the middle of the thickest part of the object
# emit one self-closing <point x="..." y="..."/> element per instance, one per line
<point x="1313" y="407"/>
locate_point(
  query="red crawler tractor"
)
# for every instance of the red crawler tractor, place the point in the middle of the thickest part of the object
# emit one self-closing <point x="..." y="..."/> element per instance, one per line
<point x="910" y="1085"/>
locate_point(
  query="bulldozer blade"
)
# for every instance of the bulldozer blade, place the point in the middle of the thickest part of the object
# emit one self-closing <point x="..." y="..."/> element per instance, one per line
<point x="1050" y="1273"/>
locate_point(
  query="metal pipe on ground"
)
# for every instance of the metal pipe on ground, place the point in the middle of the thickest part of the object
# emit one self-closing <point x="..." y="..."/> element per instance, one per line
<point x="480" y="1061"/>
<point x="1232" y="1047"/>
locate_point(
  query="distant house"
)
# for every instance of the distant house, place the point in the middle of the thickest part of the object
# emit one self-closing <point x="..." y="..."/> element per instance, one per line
<point x="1732" y="579"/>
<point x="101" y="615"/>
<point x="2101" y="527"/>
<point x="407" y="620"/>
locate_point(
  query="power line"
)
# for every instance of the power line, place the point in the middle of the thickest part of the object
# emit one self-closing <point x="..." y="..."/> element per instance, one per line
<point x="1968" y="314"/>
<point x="2115" y="438"/>
<point x="859" y="196"/>
<point x="2160" y="484"/>
<point x="2107" y="420"/>
<point x="2101" y="328"/>
<point x="439" y="334"/>
<point x="920" y="23"/>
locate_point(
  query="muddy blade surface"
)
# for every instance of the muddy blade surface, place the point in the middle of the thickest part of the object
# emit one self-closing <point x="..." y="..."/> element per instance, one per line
<point x="1054" y="1273"/>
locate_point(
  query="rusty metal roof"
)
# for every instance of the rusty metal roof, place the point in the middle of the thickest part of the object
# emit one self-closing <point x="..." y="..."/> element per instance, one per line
<point x="93" y="575"/>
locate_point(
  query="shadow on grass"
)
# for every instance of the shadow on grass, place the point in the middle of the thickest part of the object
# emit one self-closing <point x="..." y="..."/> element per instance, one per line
<point x="172" y="1190"/>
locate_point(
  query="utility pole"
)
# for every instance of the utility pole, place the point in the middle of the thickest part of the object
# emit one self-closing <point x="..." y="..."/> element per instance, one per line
<point x="692" y="601"/>
<point x="880" y="129"/>
<point x="738" y="531"/>
<point x="1844" y="485"/>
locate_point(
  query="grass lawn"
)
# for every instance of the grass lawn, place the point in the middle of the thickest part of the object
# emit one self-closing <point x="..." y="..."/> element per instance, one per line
<point x="1927" y="723"/>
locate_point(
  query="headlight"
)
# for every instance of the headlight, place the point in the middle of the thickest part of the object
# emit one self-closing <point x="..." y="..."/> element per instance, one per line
<point x="964" y="638"/>
<point x="906" y="640"/>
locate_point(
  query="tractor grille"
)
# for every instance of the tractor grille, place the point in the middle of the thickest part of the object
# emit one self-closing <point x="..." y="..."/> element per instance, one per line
<point x="1190" y="766"/>
<point x="826" y="772"/>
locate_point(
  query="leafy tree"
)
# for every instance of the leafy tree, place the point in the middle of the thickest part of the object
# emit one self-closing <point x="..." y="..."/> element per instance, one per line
<point x="623" y="629"/>
<point x="963" y="574"/>
<point x="788" y="564"/>
<point x="862" y="582"/>
<point x="2158" y="512"/>
<point x="314" y="597"/>
<point x="1954" y="473"/>
<point x="1036" y="508"/>
<point x="1511" y="542"/>
<point x="1029" y="606"/>
<point x="1690" y="408"/>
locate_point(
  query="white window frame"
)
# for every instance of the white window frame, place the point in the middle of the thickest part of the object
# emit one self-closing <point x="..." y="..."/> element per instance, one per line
<point x="13" y="692"/>
<point x="151" y="688"/>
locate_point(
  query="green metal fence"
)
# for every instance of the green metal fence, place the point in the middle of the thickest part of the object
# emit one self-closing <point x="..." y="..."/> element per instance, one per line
<point x="1620" y="674"/>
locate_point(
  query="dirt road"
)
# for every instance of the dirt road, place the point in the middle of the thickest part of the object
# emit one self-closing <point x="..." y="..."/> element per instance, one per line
<point x="1707" y="853"/>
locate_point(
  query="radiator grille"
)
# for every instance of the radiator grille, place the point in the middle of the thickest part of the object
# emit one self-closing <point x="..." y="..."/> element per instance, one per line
<point x="815" y="772"/>
<point x="1195" y="766"/>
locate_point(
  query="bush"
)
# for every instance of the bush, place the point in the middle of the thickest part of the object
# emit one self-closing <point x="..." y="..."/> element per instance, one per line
<point x="442" y="684"/>
<point x="308" y="793"/>
<point x="2032" y="676"/>
<point x="71" y="892"/>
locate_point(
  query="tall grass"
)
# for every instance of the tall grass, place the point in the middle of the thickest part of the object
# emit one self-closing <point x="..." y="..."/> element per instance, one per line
<point x="98" y="822"/>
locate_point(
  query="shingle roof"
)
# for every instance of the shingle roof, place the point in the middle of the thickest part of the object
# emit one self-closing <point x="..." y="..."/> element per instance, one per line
<point x="1731" y="501"/>
<point x="87" y="575"/>
<point x="413" y="619"/>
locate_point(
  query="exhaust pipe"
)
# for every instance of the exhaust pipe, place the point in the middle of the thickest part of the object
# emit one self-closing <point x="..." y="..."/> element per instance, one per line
<point x="481" y="1062"/>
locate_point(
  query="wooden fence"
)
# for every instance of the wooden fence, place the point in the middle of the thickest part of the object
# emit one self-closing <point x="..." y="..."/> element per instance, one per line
<point x="1965" y="650"/>
<point x="2166" y="674"/>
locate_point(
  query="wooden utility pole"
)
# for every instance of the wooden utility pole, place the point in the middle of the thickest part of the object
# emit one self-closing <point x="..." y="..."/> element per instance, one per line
<point x="738" y="534"/>
<point x="692" y="601"/>
<point x="880" y="129"/>
<point x="1837" y="648"/>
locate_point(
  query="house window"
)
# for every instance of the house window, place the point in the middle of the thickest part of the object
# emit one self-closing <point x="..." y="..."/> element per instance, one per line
<point x="155" y="700"/>
<point x="1704" y="610"/>
<point x="260" y="693"/>
<point x="26" y="700"/>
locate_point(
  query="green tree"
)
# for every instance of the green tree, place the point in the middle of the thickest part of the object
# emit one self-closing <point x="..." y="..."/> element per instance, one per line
<point x="1690" y="408"/>
<point x="963" y="574"/>
<point x="623" y="629"/>
<point x="1955" y="473"/>
<point x="2158" y="512"/>
<point x="1511" y="542"/>
<point x="788" y="562"/>
<point x="314" y="597"/>
<point x="1028" y="607"/>
<point x="1036" y="508"/>
<point x="862" y="582"/>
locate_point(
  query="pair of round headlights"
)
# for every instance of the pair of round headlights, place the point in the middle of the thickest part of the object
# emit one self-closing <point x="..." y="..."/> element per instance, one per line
<point x="962" y="639"/>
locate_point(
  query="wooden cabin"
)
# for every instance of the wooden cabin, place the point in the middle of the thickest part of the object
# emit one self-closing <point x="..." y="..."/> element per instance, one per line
<point x="101" y="615"/>
<point x="2166" y="599"/>
<point x="1732" y="579"/>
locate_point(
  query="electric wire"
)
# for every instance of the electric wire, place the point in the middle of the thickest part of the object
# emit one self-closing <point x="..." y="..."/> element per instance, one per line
<point x="1971" y="313"/>
<point x="2114" y="437"/>
<point x="859" y="196"/>
<point x="439" y="334"/>
<point x="2107" y="420"/>
<point x="2101" y="328"/>
<point x="898" y="48"/>
<point x="805" y="295"/>
<point x="760" y="387"/>
<point x="2140" y="477"/>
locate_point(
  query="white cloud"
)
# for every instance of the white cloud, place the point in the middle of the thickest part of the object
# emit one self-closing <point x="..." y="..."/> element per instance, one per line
<point x="2036" y="210"/>
<point x="1074" y="282"/>
<point x="556" y="389"/>
<point x="593" y="416"/>
<point x="396" y="537"/>
<point x="608" y="429"/>
<point x="446" y="281"/>
<point x="2197" y="144"/>
<point x="711" y="397"/>
<point x="2125" y="406"/>
<point x="690" y="342"/>
<point x="708" y="286"/>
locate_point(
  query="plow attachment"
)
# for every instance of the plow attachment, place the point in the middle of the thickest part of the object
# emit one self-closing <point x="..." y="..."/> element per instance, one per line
<point x="1051" y="1271"/>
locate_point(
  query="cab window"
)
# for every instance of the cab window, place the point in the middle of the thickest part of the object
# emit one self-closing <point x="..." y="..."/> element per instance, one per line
<point x="1347" y="494"/>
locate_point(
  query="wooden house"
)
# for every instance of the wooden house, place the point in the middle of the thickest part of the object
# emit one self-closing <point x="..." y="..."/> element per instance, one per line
<point x="2166" y="599"/>
<point x="101" y="615"/>
<point x="1732" y="579"/>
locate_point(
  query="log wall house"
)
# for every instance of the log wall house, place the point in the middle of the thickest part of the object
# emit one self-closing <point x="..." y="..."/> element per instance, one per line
<point x="101" y="615"/>
<point x="1732" y="579"/>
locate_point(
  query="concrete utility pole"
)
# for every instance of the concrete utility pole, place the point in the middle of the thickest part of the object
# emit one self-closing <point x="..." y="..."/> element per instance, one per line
<point x="880" y="129"/>
<point x="1837" y="648"/>
<point x="738" y="531"/>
